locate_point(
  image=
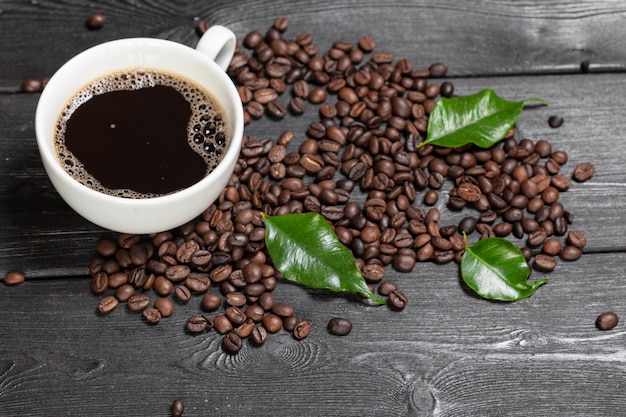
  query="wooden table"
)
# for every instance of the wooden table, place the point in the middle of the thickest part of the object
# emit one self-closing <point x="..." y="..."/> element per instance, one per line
<point x="449" y="353"/>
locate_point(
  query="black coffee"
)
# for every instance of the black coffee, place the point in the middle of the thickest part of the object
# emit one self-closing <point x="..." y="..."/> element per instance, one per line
<point x="141" y="134"/>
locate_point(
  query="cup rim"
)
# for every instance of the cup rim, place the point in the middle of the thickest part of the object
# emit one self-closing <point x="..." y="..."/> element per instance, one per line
<point x="237" y="125"/>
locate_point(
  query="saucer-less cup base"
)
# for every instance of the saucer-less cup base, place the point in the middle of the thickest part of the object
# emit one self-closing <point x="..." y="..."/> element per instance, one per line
<point x="148" y="215"/>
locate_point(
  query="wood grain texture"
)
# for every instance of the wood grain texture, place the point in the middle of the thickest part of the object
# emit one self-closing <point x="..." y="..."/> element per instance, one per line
<point x="449" y="353"/>
<point x="475" y="38"/>
<point x="475" y="358"/>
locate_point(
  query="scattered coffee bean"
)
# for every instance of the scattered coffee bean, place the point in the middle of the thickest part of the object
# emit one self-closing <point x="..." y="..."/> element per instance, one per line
<point x="272" y="323"/>
<point x="555" y="121"/>
<point x="152" y="315"/>
<point x="606" y="321"/>
<point x="165" y="306"/>
<point x="583" y="172"/>
<point x="231" y="343"/>
<point x="545" y="263"/>
<point x="397" y="300"/>
<point x="124" y="292"/>
<point x="138" y="302"/>
<point x="96" y="21"/>
<point x="202" y="26"/>
<point x="31" y="85"/>
<point x="576" y="238"/>
<point x="182" y="294"/>
<point x="302" y="330"/>
<point x="107" y="304"/>
<point x="14" y="278"/>
<point x="178" y="408"/>
<point x="339" y="326"/>
<point x="258" y="335"/>
<point x="198" y="324"/>
<point x="570" y="253"/>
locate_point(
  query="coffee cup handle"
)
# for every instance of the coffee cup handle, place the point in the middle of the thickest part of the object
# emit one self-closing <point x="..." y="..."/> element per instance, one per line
<point x="218" y="43"/>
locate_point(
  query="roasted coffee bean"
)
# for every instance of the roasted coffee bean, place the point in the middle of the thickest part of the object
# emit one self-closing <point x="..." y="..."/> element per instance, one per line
<point x="373" y="272"/>
<point x="182" y="294"/>
<point x="537" y="238"/>
<point x="267" y="301"/>
<point x="576" y="238"/>
<point x="397" y="300"/>
<point x="211" y="301"/>
<point x="128" y="240"/>
<point x="99" y="282"/>
<point x="201" y="27"/>
<point x="235" y="315"/>
<point x="339" y="326"/>
<point x="607" y="321"/>
<point x="197" y="324"/>
<point x="96" y="21"/>
<point x="177" y="409"/>
<point x="502" y="229"/>
<point x="138" y="302"/>
<point x="163" y="286"/>
<point x="570" y="253"/>
<point x="583" y="171"/>
<point x="152" y="315"/>
<point x="118" y="278"/>
<point x="245" y="329"/>
<point x="545" y="263"/>
<point x="197" y="283"/>
<point x="552" y="246"/>
<point x="165" y="306"/>
<point x="367" y="44"/>
<point x="106" y="247"/>
<point x="405" y="262"/>
<point x="107" y="304"/>
<point x="302" y="330"/>
<point x="386" y="287"/>
<point x="222" y="324"/>
<point x="438" y="70"/>
<point x="289" y="323"/>
<point x="431" y="197"/>
<point x="272" y="323"/>
<point x="232" y="343"/>
<point x="124" y="292"/>
<point x="467" y="225"/>
<point x="236" y="299"/>
<point x="555" y="121"/>
<point x="560" y="182"/>
<point x="282" y="310"/>
<point x="276" y="110"/>
<point x="177" y="273"/>
<point x="317" y="95"/>
<point x="258" y="335"/>
<point x="31" y="85"/>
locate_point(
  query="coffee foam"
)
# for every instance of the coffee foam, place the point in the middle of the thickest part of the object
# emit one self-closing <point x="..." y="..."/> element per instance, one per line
<point x="205" y="112"/>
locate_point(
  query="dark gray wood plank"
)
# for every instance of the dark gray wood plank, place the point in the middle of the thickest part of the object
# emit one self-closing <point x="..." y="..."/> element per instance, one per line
<point x="447" y="354"/>
<point x="473" y="38"/>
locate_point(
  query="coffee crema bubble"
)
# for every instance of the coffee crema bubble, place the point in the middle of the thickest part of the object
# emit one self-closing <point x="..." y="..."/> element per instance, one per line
<point x="141" y="133"/>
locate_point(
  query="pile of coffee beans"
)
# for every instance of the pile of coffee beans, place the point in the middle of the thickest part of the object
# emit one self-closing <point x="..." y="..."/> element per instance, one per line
<point x="359" y="167"/>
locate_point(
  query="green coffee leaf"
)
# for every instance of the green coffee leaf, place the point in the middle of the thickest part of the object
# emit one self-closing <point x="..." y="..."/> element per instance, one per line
<point x="305" y="249"/>
<point x="483" y="119"/>
<point x="496" y="269"/>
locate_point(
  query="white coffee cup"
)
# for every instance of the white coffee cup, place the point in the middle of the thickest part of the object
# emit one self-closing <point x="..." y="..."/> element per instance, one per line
<point x="205" y="66"/>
